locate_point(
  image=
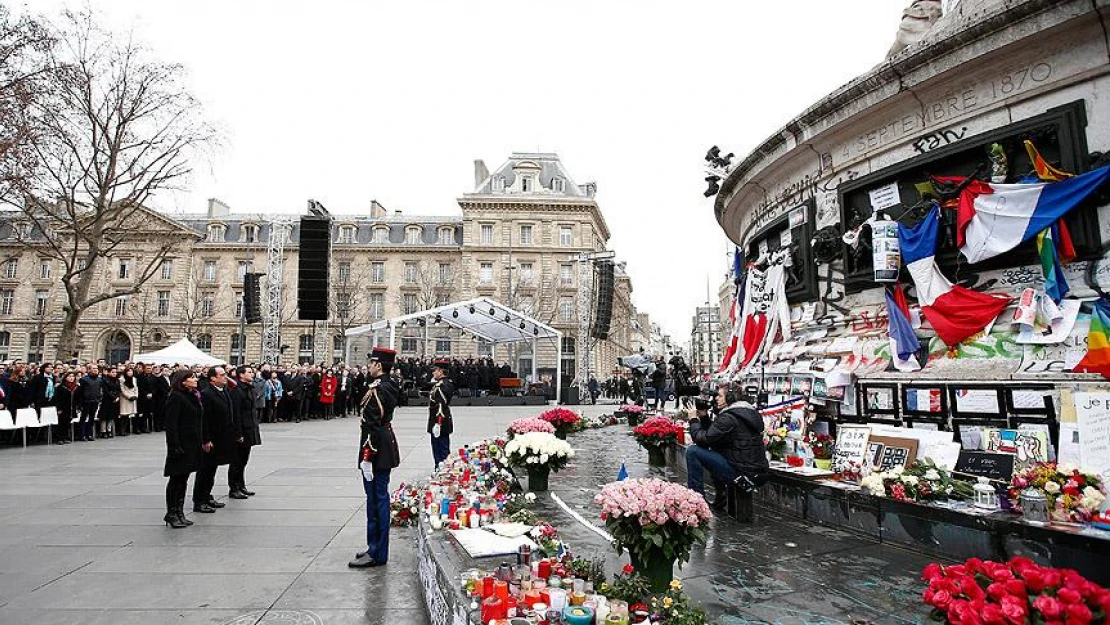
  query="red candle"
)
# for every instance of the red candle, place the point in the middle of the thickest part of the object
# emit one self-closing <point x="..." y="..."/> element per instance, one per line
<point x="492" y="608"/>
<point x="531" y="598"/>
<point x="510" y="607"/>
<point x="487" y="586"/>
<point x="501" y="589"/>
<point x="681" y="436"/>
<point x="452" y="509"/>
<point x="545" y="598"/>
<point x="545" y="569"/>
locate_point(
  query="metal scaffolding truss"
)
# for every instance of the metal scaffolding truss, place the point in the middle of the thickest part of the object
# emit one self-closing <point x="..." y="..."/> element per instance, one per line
<point x="280" y="227"/>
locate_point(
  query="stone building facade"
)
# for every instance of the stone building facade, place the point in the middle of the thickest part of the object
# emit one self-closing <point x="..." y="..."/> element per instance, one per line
<point x="517" y="240"/>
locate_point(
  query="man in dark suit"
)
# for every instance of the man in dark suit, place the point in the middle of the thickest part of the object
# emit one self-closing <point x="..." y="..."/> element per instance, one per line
<point x="378" y="455"/>
<point x="248" y="418"/>
<point x="145" y="380"/>
<point x="220" y="433"/>
<point x="161" y="385"/>
<point x="439" y="411"/>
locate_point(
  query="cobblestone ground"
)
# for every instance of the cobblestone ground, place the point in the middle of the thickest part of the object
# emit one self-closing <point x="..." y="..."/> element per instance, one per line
<point x="82" y="539"/>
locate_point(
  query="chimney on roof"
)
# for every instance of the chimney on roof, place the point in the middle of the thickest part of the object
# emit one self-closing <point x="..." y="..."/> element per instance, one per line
<point x="481" y="172"/>
<point x="591" y="189"/>
<point x="377" y="211"/>
<point x="216" y="208"/>
<point x="396" y="213"/>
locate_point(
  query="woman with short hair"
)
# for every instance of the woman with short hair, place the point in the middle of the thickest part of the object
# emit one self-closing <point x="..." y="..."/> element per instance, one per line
<point x="183" y="415"/>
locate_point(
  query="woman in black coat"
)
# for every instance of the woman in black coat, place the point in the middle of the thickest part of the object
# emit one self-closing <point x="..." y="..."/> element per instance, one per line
<point x="44" y="395"/>
<point x="65" y="398"/>
<point x="183" y="422"/>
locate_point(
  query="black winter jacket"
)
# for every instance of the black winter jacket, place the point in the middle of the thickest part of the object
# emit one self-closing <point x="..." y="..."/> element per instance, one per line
<point x="737" y="433"/>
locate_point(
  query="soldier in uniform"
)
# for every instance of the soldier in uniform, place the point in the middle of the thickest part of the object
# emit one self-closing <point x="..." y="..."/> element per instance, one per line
<point x="439" y="411"/>
<point x="378" y="455"/>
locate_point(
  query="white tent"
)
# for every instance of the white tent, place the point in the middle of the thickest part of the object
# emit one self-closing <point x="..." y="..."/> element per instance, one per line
<point x="182" y="352"/>
<point x="483" y="317"/>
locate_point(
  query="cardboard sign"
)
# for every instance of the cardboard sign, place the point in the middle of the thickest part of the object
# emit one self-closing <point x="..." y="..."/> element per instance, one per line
<point x="886" y="452"/>
<point x="851" y="446"/>
<point x="986" y="464"/>
<point x="1092" y="411"/>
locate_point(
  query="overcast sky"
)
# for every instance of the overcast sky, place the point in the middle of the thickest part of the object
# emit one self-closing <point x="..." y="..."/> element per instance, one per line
<point x="346" y="101"/>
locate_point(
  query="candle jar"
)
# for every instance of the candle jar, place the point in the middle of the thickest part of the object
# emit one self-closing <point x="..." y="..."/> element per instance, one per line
<point x="578" y="598"/>
<point x="986" y="497"/>
<point x="619" y="608"/>
<point x="554" y="582"/>
<point x="531" y="598"/>
<point x="1034" y="506"/>
<point x="492" y="608"/>
<point x="544" y="569"/>
<point x="613" y="619"/>
<point x="602" y="611"/>
<point x="554" y="617"/>
<point x="487" y="586"/>
<point x="558" y="598"/>
<point x="578" y="615"/>
<point x="501" y="590"/>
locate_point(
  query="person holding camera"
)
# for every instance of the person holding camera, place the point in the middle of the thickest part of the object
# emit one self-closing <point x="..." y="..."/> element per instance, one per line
<point x="729" y="447"/>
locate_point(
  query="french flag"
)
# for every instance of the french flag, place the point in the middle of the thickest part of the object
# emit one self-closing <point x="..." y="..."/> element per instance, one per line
<point x="995" y="218"/>
<point x="955" y="312"/>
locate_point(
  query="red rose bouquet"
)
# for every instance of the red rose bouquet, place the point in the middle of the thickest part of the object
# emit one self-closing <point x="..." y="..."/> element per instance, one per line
<point x="656" y="432"/>
<point x="821" y="444"/>
<point x="565" y="421"/>
<point x="1012" y="593"/>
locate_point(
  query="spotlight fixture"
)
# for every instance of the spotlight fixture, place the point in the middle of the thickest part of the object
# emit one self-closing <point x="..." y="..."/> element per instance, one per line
<point x="422" y="322"/>
<point x="714" y="188"/>
<point x="492" y="311"/>
<point x="439" y="317"/>
<point x="506" y="317"/>
<point x="404" y="323"/>
<point x="535" y="331"/>
<point x="472" y="309"/>
<point x="521" y="325"/>
<point x="455" y="314"/>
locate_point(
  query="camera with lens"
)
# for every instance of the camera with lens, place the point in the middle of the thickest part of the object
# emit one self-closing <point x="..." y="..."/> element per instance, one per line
<point x="702" y="403"/>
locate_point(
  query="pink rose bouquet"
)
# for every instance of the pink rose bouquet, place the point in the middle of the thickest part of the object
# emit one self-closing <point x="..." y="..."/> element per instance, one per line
<point x="529" y="424"/>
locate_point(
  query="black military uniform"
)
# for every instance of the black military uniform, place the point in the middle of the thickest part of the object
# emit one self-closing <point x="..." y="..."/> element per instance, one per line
<point x="439" y="412"/>
<point x="378" y="455"/>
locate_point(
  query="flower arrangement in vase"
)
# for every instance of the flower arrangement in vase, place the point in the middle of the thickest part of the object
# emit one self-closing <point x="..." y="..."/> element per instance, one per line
<point x="565" y="421"/>
<point x="658" y="522"/>
<point x="921" y="482"/>
<point x="634" y="412"/>
<point x="539" y="453"/>
<point x="1017" y="591"/>
<point x="775" y="443"/>
<point x="655" y="435"/>
<point x="1073" y="495"/>
<point x="822" y="447"/>
<point x="529" y="424"/>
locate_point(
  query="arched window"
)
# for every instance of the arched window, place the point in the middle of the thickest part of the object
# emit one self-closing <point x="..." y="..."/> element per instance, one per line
<point x="381" y="235"/>
<point x="117" y="348"/>
<point x="250" y="233"/>
<point x="216" y="233"/>
<point x="446" y="235"/>
<point x="204" y="342"/>
<point x="414" y="235"/>
<point x="347" y="234"/>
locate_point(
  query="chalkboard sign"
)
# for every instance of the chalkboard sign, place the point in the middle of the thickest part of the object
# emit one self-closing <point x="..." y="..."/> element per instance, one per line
<point x="986" y="464"/>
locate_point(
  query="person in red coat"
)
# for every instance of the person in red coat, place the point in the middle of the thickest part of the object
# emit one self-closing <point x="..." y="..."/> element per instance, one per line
<point x="328" y="386"/>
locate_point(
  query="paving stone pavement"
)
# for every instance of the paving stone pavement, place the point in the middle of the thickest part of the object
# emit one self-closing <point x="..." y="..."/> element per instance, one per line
<point x="83" y="542"/>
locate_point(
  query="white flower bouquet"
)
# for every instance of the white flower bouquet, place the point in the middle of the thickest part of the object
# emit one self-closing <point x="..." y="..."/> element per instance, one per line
<point x="536" y="449"/>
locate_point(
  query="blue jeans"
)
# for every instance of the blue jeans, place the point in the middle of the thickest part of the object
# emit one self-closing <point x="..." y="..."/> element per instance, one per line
<point x="441" y="448"/>
<point x="699" y="460"/>
<point x="377" y="515"/>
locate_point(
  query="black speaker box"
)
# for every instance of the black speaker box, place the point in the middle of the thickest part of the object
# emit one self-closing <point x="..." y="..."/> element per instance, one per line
<point x="252" y="304"/>
<point x="603" y="311"/>
<point x="313" y="269"/>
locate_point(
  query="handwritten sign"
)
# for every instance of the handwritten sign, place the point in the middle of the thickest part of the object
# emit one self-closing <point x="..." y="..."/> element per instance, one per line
<point x="1028" y="446"/>
<point x="1092" y="411"/>
<point x="885" y="196"/>
<point x="986" y="464"/>
<point x="851" y="446"/>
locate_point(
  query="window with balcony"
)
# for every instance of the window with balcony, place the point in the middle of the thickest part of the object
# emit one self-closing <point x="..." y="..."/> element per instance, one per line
<point x="414" y="235"/>
<point x="216" y="233"/>
<point x="381" y="235"/>
<point x="209" y="271"/>
<point x="487" y="234"/>
<point x="485" y="273"/>
<point x="411" y="270"/>
<point x="526" y="234"/>
<point x="41" y="299"/>
<point x="347" y="234"/>
<point x="377" y="272"/>
<point x="46" y="267"/>
<point x="566" y="236"/>
<point x="167" y="269"/>
<point x="163" y="303"/>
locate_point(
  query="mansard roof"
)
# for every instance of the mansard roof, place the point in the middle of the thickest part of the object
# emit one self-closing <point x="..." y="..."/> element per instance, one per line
<point x="550" y="168"/>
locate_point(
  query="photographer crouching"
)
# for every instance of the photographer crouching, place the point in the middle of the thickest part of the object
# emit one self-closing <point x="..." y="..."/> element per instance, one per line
<point x="729" y="447"/>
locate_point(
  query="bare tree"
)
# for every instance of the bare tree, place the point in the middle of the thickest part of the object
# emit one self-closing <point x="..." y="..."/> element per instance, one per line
<point x="145" y="312"/>
<point x="428" y="286"/>
<point x="24" y="45"/>
<point x="349" y="297"/>
<point x="200" y="307"/>
<point x="115" y="130"/>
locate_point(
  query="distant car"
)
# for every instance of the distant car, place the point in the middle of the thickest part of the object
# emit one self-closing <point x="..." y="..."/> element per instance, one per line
<point x="649" y="391"/>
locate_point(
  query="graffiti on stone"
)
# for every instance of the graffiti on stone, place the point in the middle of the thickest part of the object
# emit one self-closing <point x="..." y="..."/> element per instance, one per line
<point x="937" y="139"/>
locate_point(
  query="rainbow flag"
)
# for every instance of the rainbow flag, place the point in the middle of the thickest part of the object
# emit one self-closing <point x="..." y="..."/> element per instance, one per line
<point x="1097" y="359"/>
<point x="1055" y="284"/>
